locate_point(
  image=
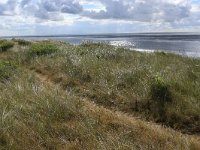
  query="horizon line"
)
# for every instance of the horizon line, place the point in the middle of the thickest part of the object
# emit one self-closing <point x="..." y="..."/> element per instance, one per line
<point x="96" y="34"/>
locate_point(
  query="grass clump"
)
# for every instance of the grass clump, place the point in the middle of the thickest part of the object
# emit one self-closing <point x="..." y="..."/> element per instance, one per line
<point x="5" y="45"/>
<point x="43" y="48"/>
<point x="7" y="69"/>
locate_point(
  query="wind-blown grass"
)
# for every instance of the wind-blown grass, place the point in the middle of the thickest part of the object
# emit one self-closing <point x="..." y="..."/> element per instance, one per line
<point x="38" y="116"/>
<point x="119" y="78"/>
<point x="47" y="104"/>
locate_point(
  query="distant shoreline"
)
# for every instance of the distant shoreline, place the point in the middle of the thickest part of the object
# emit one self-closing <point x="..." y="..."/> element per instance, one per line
<point x="185" y="44"/>
<point x="106" y="34"/>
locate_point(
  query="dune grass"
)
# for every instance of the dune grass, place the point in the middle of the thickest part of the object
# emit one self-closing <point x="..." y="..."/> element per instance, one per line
<point x="43" y="48"/>
<point x="46" y="103"/>
<point x="5" y="45"/>
<point x="21" y="42"/>
<point x="36" y="116"/>
<point x="122" y="79"/>
<point x="6" y="70"/>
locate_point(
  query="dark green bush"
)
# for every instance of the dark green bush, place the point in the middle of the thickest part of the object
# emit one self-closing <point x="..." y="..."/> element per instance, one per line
<point x="89" y="44"/>
<point x="160" y="90"/>
<point x="22" y="42"/>
<point x="44" y="48"/>
<point x="161" y="95"/>
<point x="5" y="45"/>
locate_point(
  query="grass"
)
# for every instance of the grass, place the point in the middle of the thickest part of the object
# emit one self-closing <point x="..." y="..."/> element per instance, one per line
<point x="7" y="69"/>
<point x="21" y="42"/>
<point x="5" y="45"/>
<point x="61" y="96"/>
<point x="44" y="48"/>
<point x="118" y="78"/>
<point x="38" y="116"/>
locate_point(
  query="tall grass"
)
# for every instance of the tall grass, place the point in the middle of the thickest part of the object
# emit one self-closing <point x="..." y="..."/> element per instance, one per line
<point x="47" y="104"/>
<point x="121" y="79"/>
<point x="37" y="116"/>
<point x="7" y="69"/>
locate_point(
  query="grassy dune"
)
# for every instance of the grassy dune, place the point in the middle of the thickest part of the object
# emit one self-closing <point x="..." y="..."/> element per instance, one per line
<point x="94" y="96"/>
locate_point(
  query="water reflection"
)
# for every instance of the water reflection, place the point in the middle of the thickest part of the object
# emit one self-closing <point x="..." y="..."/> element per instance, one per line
<point x="181" y="43"/>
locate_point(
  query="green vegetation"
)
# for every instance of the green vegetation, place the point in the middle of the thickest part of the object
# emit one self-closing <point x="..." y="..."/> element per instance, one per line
<point x="78" y="97"/>
<point x="21" y="42"/>
<point x="161" y="94"/>
<point x="159" y="90"/>
<point x="7" y="69"/>
<point x="5" y="45"/>
<point x="43" y="48"/>
<point x="120" y="79"/>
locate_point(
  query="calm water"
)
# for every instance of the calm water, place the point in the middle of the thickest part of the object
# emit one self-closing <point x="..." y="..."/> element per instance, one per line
<point x="181" y="43"/>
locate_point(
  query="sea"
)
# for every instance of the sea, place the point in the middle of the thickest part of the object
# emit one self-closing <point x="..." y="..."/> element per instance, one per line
<point x="187" y="44"/>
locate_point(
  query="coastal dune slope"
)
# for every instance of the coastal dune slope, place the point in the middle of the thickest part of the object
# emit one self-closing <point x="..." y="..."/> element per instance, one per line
<point x="94" y="96"/>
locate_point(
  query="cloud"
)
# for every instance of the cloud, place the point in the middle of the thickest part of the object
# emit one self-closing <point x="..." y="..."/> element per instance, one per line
<point x="155" y="13"/>
<point x="50" y="6"/>
<point x="24" y="3"/>
<point x="8" y="8"/>
<point x="142" y="10"/>
<point x="2" y="9"/>
<point x="114" y="10"/>
<point x="135" y="10"/>
<point x="63" y="6"/>
<point x="72" y="8"/>
<point x="51" y="10"/>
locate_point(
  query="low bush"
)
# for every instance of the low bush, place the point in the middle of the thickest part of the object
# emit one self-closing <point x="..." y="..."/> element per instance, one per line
<point x="89" y="44"/>
<point x="22" y="42"/>
<point x="5" y="45"/>
<point x="160" y="90"/>
<point x="43" y="48"/>
<point x="160" y="95"/>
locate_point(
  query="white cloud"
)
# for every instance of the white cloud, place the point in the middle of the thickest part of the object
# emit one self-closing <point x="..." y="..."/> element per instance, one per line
<point x="156" y="13"/>
<point x="135" y="10"/>
<point x="142" y="10"/>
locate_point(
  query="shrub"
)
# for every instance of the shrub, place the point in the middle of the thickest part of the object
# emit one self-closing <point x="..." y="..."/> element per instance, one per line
<point x="160" y="90"/>
<point x="160" y="95"/>
<point x="5" y="45"/>
<point x="22" y="42"/>
<point x="44" y="48"/>
<point x="89" y="44"/>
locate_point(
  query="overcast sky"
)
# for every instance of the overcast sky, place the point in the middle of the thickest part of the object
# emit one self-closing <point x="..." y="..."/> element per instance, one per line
<point x="44" y="17"/>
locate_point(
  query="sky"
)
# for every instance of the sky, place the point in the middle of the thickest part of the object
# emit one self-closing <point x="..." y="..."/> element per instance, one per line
<point x="53" y="17"/>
